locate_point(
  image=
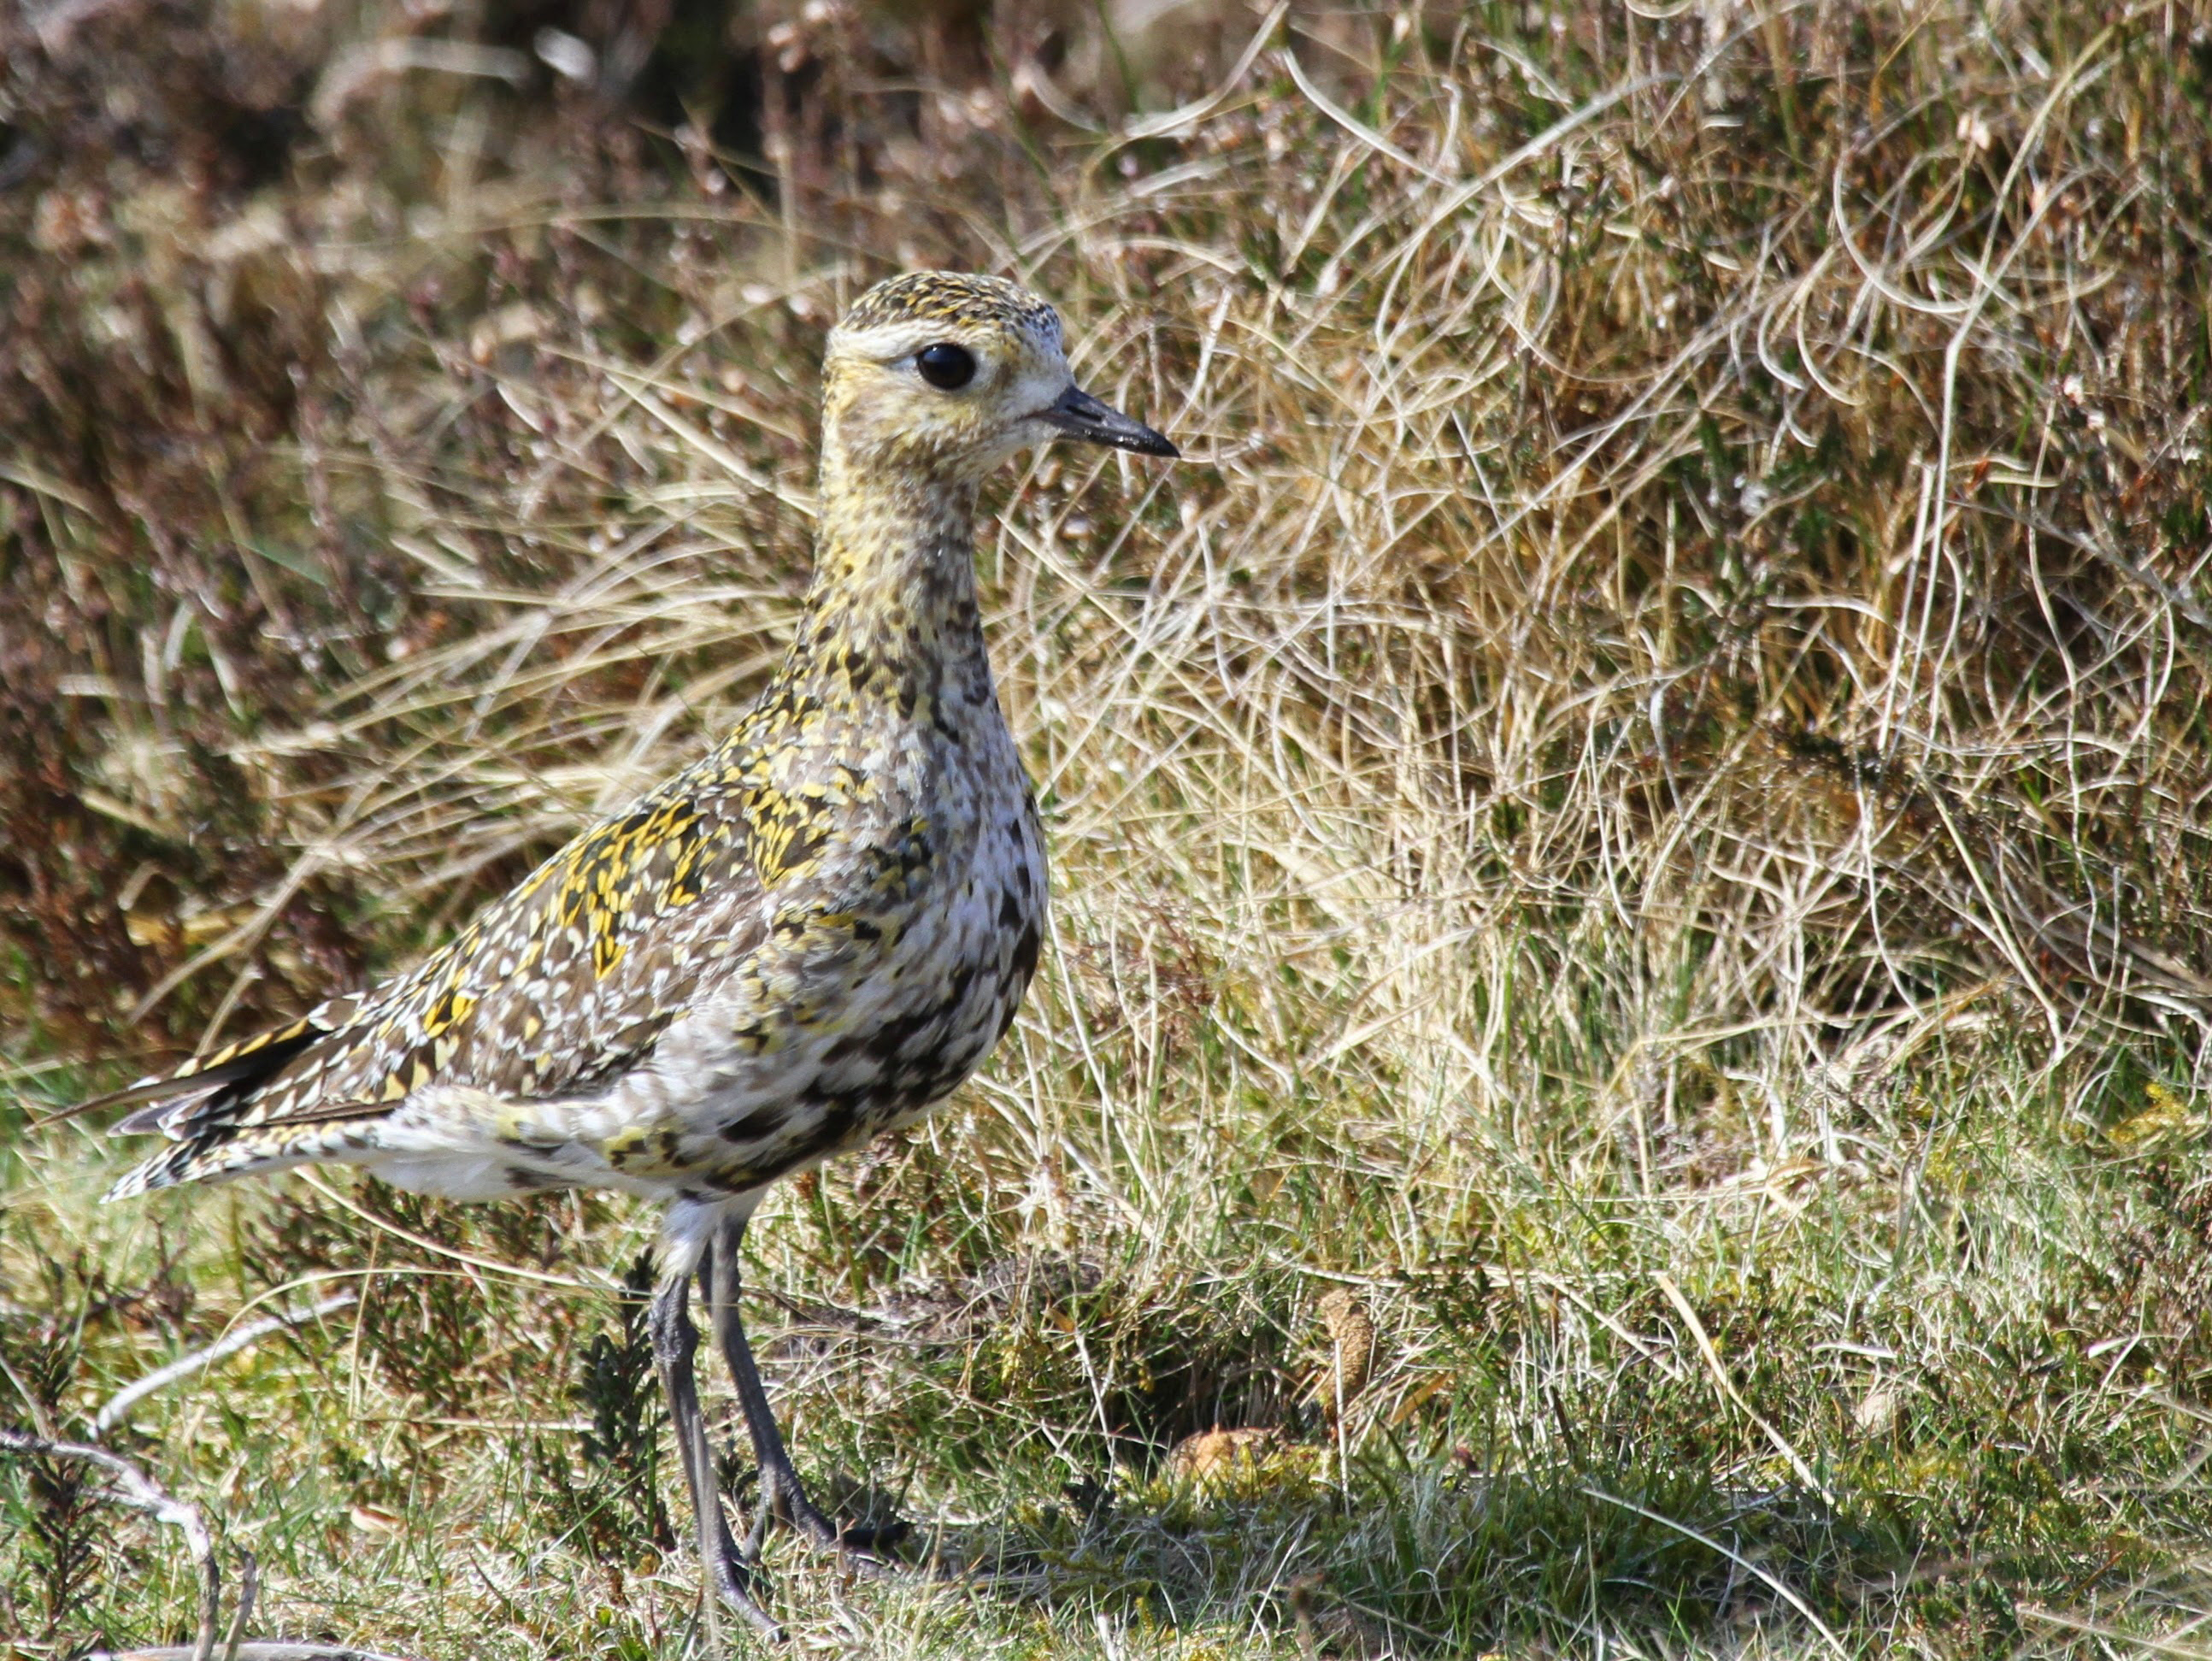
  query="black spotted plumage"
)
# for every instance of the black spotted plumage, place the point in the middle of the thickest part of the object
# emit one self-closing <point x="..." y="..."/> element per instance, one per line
<point x="810" y="935"/>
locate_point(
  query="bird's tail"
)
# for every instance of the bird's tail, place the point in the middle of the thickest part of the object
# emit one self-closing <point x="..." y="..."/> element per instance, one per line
<point x="236" y="1150"/>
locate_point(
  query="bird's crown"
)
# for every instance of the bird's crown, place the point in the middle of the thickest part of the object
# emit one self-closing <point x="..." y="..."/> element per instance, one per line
<point x="956" y="299"/>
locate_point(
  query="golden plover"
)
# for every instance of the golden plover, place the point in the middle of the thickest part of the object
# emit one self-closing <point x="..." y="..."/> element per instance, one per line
<point x="806" y="939"/>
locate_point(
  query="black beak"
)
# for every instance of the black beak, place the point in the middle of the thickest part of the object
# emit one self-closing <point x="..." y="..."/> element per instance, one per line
<point x="1081" y="416"/>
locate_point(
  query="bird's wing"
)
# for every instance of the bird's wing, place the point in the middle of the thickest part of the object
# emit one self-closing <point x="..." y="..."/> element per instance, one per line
<point x="562" y="985"/>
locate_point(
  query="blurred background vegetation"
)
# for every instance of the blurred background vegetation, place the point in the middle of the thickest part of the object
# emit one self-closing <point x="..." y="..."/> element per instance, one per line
<point x="1627" y="1007"/>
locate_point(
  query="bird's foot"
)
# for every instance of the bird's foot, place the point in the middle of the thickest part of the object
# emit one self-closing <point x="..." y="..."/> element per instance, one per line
<point x="730" y="1580"/>
<point x="871" y="1549"/>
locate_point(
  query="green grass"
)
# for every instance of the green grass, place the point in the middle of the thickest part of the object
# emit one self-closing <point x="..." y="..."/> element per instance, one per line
<point x="1561" y="827"/>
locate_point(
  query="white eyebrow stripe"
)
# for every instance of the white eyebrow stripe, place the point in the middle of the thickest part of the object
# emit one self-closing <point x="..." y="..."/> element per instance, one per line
<point x="889" y="342"/>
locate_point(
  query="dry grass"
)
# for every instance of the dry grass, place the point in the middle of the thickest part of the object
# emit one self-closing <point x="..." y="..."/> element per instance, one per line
<point x="1640" y="804"/>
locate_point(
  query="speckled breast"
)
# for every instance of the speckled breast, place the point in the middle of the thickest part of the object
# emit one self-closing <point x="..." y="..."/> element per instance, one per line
<point x="990" y="970"/>
<point x="952" y="984"/>
<point x="888" y="977"/>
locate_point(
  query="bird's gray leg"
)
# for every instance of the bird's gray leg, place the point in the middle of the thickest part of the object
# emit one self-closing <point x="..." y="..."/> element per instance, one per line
<point x="674" y="1340"/>
<point x="781" y="1493"/>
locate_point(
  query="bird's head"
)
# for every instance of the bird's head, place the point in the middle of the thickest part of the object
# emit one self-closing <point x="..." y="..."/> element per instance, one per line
<point x="946" y="374"/>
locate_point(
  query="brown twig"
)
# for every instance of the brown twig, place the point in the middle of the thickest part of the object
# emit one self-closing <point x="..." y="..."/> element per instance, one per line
<point x="132" y="1487"/>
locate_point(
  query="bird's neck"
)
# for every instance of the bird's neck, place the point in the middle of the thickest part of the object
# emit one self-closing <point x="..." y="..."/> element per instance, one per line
<point x="892" y="608"/>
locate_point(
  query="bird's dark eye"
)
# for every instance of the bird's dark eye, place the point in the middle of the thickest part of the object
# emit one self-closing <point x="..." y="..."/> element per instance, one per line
<point x="946" y="366"/>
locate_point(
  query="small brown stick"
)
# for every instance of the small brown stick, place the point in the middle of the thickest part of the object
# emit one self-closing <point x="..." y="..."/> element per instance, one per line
<point x="249" y="1582"/>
